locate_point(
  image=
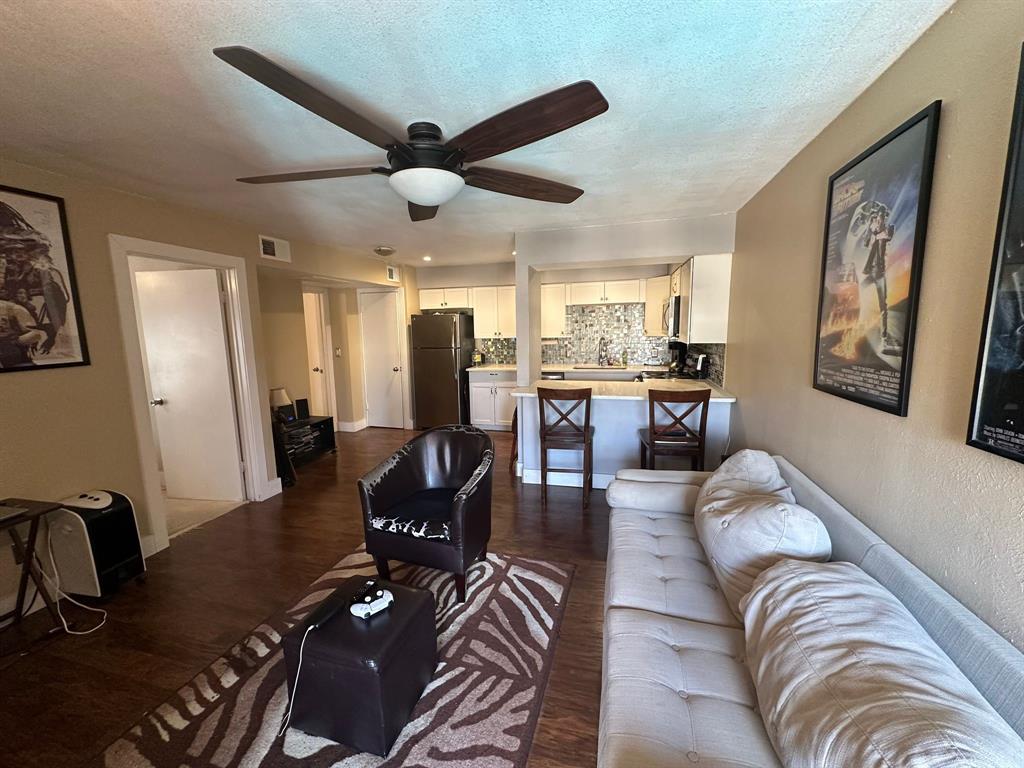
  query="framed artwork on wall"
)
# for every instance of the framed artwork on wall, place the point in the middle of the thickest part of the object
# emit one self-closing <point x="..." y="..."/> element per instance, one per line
<point x="40" y="315"/>
<point x="876" y="217"/>
<point x="997" y="409"/>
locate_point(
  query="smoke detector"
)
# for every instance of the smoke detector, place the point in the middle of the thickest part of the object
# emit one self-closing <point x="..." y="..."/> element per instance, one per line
<point x="384" y="251"/>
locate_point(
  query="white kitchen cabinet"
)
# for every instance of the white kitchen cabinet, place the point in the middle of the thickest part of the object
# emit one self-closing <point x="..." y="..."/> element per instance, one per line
<point x="585" y="293"/>
<point x="704" y="305"/>
<point x="622" y="291"/>
<point x="432" y="298"/>
<point x="490" y="398"/>
<point x="494" y="312"/>
<point x="484" y="302"/>
<point x="506" y="311"/>
<point x="552" y="310"/>
<point x="608" y="292"/>
<point x="657" y="292"/>
<point x="481" y="404"/>
<point x="504" y="404"/>
<point x="444" y="298"/>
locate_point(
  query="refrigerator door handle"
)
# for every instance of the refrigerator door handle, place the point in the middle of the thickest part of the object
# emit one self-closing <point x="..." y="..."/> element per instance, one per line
<point x="455" y="363"/>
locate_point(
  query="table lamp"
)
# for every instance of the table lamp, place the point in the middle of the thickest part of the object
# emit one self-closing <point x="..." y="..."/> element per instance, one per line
<point x="280" y="401"/>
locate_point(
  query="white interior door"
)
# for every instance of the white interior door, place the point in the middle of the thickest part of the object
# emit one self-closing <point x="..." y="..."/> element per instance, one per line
<point x="382" y="359"/>
<point x="321" y="380"/>
<point x="186" y="350"/>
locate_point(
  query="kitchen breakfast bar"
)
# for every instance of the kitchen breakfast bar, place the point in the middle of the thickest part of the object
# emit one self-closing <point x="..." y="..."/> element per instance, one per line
<point x="618" y="410"/>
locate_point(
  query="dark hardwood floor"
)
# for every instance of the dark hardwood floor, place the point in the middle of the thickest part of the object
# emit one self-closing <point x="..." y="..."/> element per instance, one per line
<point x="69" y="697"/>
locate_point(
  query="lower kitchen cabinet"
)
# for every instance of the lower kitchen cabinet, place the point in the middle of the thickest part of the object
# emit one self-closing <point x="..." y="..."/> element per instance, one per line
<point x="490" y="399"/>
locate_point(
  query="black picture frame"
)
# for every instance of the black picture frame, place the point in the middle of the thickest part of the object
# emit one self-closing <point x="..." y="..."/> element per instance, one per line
<point x="997" y="404"/>
<point x="879" y="374"/>
<point x="54" y="295"/>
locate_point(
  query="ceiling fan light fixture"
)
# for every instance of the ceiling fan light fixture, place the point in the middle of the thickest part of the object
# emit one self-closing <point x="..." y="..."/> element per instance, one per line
<point x="426" y="186"/>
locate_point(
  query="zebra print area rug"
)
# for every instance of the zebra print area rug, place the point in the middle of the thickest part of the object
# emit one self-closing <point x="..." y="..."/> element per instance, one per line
<point x="495" y="653"/>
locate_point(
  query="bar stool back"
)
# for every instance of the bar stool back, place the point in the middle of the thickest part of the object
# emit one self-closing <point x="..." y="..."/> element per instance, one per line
<point x="668" y="434"/>
<point x="561" y="429"/>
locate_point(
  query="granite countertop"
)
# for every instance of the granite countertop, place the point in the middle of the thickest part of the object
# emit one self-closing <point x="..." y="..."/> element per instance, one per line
<point x="628" y="390"/>
<point x="567" y="367"/>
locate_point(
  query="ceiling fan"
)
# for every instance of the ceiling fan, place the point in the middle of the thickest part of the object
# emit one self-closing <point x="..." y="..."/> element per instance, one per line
<point x="422" y="169"/>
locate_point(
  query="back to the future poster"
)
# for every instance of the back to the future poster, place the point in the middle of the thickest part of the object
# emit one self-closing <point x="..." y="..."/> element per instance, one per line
<point x="998" y="418"/>
<point x="873" y="246"/>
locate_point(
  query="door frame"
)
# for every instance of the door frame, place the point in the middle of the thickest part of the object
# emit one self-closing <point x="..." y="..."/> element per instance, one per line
<point x="327" y="353"/>
<point x="403" y="349"/>
<point x="253" y="417"/>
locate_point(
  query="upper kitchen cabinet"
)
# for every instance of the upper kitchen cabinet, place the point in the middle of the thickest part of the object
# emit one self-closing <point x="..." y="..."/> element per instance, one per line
<point x="607" y="292"/>
<point x="552" y="310"/>
<point x="507" y="311"/>
<point x="494" y="312"/>
<point x="704" y="289"/>
<point x="657" y="294"/>
<point x="444" y="298"/>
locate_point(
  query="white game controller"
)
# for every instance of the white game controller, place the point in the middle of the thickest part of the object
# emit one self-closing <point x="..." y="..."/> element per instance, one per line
<point x="374" y="602"/>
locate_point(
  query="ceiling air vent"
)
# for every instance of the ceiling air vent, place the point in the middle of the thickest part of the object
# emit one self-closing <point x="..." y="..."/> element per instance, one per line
<point x="275" y="249"/>
<point x="394" y="275"/>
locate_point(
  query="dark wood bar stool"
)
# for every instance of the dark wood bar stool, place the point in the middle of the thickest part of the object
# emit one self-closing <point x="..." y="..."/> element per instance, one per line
<point x="559" y="431"/>
<point x="515" y="442"/>
<point x="667" y="434"/>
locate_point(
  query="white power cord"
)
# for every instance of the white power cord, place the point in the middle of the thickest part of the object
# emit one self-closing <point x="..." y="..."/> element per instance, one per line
<point x="295" y="685"/>
<point x="55" y="581"/>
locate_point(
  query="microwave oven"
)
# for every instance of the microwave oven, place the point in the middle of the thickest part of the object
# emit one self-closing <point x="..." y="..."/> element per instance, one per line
<point x="673" y="310"/>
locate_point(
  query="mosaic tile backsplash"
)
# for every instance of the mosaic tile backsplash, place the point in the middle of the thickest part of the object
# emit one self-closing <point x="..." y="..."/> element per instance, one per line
<point x="497" y="351"/>
<point x="622" y="325"/>
<point x="715" y="361"/>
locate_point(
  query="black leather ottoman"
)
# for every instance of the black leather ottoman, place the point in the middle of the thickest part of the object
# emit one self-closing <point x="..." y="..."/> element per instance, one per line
<point x="361" y="678"/>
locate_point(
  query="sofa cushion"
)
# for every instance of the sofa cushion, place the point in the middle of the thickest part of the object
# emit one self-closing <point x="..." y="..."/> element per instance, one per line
<point x="845" y="676"/>
<point x="656" y="563"/>
<point x="677" y="693"/>
<point x="744" y="536"/>
<point x="745" y="473"/>
<point x="659" y="497"/>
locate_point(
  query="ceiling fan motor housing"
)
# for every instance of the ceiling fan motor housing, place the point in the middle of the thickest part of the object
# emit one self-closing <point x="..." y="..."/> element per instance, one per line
<point x="425" y="150"/>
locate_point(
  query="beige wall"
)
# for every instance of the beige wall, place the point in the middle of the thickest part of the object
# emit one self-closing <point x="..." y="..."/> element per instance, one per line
<point x="284" y="334"/>
<point x="955" y="511"/>
<point x="66" y="430"/>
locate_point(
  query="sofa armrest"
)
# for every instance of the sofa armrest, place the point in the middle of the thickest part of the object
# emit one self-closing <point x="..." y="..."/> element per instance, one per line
<point x="663" y="476"/>
<point x="651" y="496"/>
<point x="387" y="484"/>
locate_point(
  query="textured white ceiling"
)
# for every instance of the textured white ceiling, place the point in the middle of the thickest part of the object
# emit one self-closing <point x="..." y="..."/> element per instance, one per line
<point x="708" y="101"/>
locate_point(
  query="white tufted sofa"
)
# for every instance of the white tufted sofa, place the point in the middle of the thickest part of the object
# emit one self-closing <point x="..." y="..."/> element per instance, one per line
<point x="676" y="691"/>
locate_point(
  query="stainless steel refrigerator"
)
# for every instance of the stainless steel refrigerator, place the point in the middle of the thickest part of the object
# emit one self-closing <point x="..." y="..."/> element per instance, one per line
<point x="442" y="350"/>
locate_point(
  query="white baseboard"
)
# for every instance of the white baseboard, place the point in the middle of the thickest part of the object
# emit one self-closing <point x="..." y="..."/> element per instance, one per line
<point x="570" y="479"/>
<point x="269" y="488"/>
<point x="351" y="426"/>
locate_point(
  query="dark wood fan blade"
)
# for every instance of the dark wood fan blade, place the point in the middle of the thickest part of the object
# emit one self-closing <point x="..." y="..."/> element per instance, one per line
<point x="422" y="212"/>
<point x="531" y="121"/>
<point x="327" y="173"/>
<point x="521" y="185"/>
<point x="268" y="73"/>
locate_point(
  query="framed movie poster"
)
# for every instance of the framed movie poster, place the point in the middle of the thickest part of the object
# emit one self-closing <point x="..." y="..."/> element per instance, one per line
<point x="997" y="410"/>
<point x="875" y="222"/>
<point x="40" y="317"/>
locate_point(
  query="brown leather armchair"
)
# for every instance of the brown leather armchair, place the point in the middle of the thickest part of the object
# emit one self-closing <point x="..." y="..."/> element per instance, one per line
<point x="430" y="503"/>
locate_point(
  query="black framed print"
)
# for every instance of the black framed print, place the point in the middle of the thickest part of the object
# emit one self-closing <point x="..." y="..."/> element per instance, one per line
<point x="40" y="315"/>
<point x="875" y="224"/>
<point x="997" y="408"/>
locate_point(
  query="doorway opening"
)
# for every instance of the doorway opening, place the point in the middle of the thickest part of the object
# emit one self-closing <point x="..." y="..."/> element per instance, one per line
<point x="385" y="358"/>
<point x="187" y="366"/>
<point x="237" y="421"/>
<point x="323" y="396"/>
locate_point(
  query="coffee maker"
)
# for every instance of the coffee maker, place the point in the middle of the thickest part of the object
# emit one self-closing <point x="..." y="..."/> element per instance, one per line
<point x="676" y="358"/>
